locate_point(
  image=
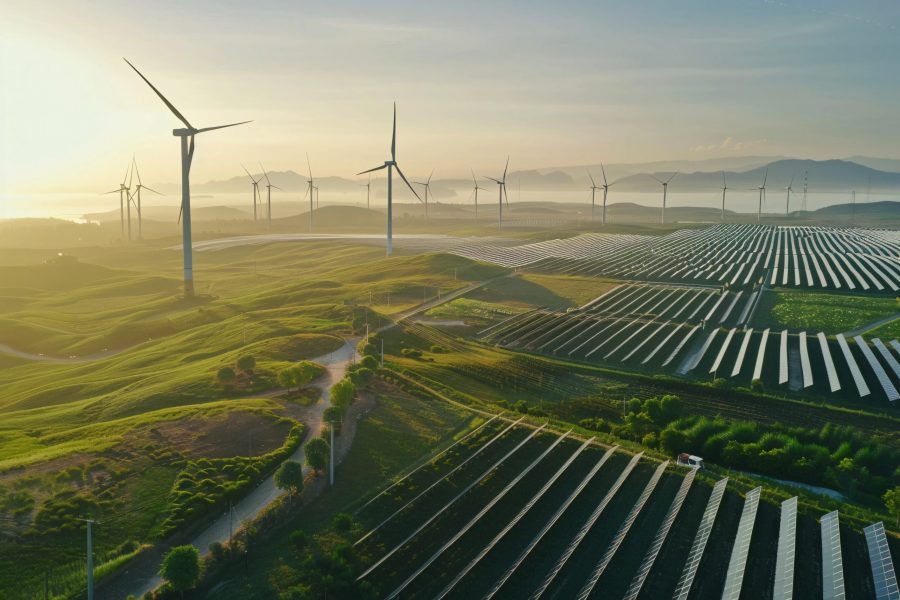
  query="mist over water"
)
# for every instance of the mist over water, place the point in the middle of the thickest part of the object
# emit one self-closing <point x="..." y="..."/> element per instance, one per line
<point x="75" y="206"/>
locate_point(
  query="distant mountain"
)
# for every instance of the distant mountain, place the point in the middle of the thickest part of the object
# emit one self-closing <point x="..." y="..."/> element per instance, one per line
<point x="883" y="208"/>
<point x="882" y="164"/>
<point x="170" y="214"/>
<point x="821" y="176"/>
<point x="618" y="170"/>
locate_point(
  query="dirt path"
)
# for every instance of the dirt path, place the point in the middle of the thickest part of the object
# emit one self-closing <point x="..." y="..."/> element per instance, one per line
<point x="141" y="575"/>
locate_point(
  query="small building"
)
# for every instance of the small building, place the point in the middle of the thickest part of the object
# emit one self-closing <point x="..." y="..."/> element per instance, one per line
<point x="689" y="460"/>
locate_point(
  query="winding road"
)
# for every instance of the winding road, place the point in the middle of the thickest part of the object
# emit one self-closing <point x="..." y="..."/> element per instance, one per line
<point x="141" y="575"/>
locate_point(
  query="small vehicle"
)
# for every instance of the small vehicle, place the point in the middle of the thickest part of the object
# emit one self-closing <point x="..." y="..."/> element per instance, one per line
<point x="689" y="460"/>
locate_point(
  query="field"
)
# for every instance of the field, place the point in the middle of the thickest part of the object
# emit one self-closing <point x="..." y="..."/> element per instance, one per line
<point x="822" y="311"/>
<point x="109" y="374"/>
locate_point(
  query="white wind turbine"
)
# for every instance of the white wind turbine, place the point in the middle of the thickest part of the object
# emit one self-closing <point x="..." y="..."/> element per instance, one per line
<point x="368" y="186"/>
<point x="475" y="189"/>
<point x="762" y="196"/>
<point x="724" y="188"/>
<point x="606" y="185"/>
<point x="665" y="185"/>
<point x="186" y="134"/>
<point x="269" y="187"/>
<point x="390" y="165"/>
<point x="310" y="190"/>
<point x="256" y="195"/>
<point x="137" y="196"/>
<point x="789" y="188"/>
<point x="502" y="187"/>
<point x="123" y="191"/>
<point x="427" y="185"/>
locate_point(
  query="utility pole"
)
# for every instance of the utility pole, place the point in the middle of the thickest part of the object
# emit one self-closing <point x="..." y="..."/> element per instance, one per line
<point x="90" y="560"/>
<point x="331" y="461"/>
<point x="382" y="353"/>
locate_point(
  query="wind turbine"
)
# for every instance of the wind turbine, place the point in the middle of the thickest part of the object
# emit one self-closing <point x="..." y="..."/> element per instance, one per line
<point x="390" y="165"/>
<point x="269" y="187"/>
<point x="316" y="190"/>
<point x="187" y="154"/>
<point x="255" y="190"/>
<point x="724" y="189"/>
<point x="368" y="186"/>
<point x="502" y="187"/>
<point x="594" y="188"/>
<point x="123" y="193"/>
<point x="606" y="185"/>
<point x="789" y="188"/>
<point x="310" y="190"/>
<point x="475" y="189"/>
<point x="427" y="185"/>
<point x="137" y="196"/>
<point x="665" y="185"/>
<point x="762" y="196"/>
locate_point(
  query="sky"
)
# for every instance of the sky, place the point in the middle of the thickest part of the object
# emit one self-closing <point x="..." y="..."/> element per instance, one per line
<point x="549" y="83"/>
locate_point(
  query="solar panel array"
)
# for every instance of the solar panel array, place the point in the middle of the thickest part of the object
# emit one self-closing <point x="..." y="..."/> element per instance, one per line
<point x="787" y="545"/>
<point x="734" y="579"/>
<point x="832" y="559"/>
<point x="880" y="560"/>
<point x="683" y="589"/>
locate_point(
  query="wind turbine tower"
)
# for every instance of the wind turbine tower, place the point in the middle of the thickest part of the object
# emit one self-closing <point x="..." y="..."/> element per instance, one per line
<point x="665" y="186"/>
<point x="186" y="134"/>
<point x="787" y="205"/>
<point x="762" y="196"/>
<point x="501" y="183"/>
<point x="427" y="185"/>
<point x="269" y="187"/>
<point x="724" y="189"/>
<point x="594" y="188"/>
<point x="390" y="165"/>
<point x="310" y="190"/>
<point x="256" y="195"/>
<point x="123" y="192"/>
<point x="475" y="188"/>
<point x="137" y="195"/>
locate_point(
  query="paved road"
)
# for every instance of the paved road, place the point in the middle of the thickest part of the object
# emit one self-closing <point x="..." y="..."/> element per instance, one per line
<point x="142" y="577"/>
<point x="872" y="325"/>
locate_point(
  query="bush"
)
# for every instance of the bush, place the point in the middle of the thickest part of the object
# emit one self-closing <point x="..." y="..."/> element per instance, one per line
<point x="522" y="407"/>
<point x="342" y="522"/>
<point x="316" y="452"/>
<point x="369" y="362"/>
<point x="226" y="376"/>
<point x="289" y="477"/>
<point x="246" y="363"/>
<point x="181" y="567"/>
<point x="299" y="539"/>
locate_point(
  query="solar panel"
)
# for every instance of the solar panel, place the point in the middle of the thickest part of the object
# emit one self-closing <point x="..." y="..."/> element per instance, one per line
<point x="896" y="346"/>
<point x="739" y="362"/>
<point x="880" y="560"/>
<point x="699" y="544"/>
<point x="889" y="390"/>
<point x="624" y="528"/>
<point x="662" y="344"/>
<point x="681" y="344"/>
<point x="734" y="579"/>
<point x="833" y="381"/>
<point x="887" y="356"/>
<point x="724" y="349"/>
<point x="804" y="361"/>
<point x="787" y="544"/>
<point x="832" y="561"/>
<point x="861" y="386"/>
<point x="653" y="551"/>
<point x="695" y="360"/>
<point x="761" y="355"/>
<point x="783" y="359"/>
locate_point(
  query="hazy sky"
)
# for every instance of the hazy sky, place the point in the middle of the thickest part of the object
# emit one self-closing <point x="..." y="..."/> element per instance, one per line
<point x="551" y="83"/>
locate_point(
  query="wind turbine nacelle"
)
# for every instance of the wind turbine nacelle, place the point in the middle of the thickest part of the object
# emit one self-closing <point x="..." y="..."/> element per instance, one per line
<point x="390" y="163"/>
<point x="182" y="132"/>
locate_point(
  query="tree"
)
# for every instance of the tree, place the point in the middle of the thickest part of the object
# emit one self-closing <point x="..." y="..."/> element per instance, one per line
<point x="289" y="476"/>
<point x="300" y="374"/>
<point x="181" y="567"/>
<point x="316" y="452"/>
<point x="246" y="363"/>
<point x="333" y="415"/>
<point x="892" y="502"/>
<point x="342" y="393"/>
<point x="226" y="376"/>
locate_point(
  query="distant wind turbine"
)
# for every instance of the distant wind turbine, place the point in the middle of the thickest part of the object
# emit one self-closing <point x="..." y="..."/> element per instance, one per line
<point x="368" y="186"/>
<point x="310" y="191"/>
<point x="269" y="187"/>
<point x="475" y="189"/>
<point x="665" y="185"/>
<point x="137" y="196"/>
<point x="762" y="196"/>
<point x="123" y="191"/>
<point x="390" y="165"/>
<point x="724" y="189"/>
<point x="427" y="185"/>
<point x="606" y="185"/>
<point x="187" y="154"/>
<point x="502" y="187"/>
<point x="789" y="188"/>
<point x="594" y="188"/>
<point x="256" y="195"/>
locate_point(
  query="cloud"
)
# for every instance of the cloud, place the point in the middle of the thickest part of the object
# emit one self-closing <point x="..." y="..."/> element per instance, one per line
<point x="729" y="143"/>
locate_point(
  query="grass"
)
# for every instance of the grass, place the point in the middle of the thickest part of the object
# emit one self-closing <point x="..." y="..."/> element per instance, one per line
<point x="822" y="311"/>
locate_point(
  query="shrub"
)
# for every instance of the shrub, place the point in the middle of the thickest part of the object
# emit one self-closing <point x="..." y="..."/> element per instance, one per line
<point x="289" y="477"/>
<point x="246" y="363"/>
<point x="181" y="567"/>
<point x="300" y="539"/>
<point x="316" y="452"/>
<point x="226" y="376"/>
<point x="342" y="522"/>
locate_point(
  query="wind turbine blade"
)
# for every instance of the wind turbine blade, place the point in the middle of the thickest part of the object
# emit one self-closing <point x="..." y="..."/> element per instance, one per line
<point x="394" y="136"/>
<point x="161" y="97"/>
<point x="306" y="193"/>
<point x="724" y="184"/>
<point x="606" y="183"/>
<point x="266" y="175"/>
<point x="792" y="180"/>
<point x="309" y="166"/>
<point x="428" y="181"/>
<point x="505" y="195"/>
<point x="180" y="210"/>
<point x="276" y="187"/>
<point x="593" y="185"/>
<point x="474" y="181"/>
<point x="406" y="181"/>
<point x="136" y="171"/>
<point x="494" y="180"/>
<point x="656" y="178"/>
<point x="505" y="168"/>
<point x="131" y="173"/>
<point x="112" y="192"/>
<point x="765" y="178"/>
<point x="672" y="177"/>
<point x="371" y="170"/>
<point x="248" y="173"/>
<point x="222" y="126"/>
<point x="151" y="190"/>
